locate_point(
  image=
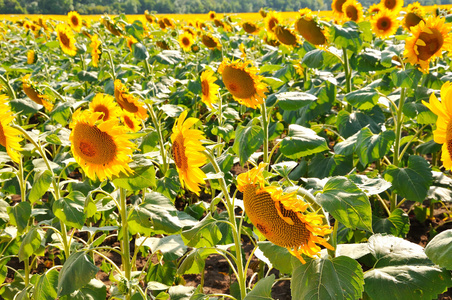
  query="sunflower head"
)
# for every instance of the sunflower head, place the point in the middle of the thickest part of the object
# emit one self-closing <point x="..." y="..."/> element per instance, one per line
<point x="187" y="153"/>
<point x="96" y="50"/>
<point x="169" y="22"/>
<point x="385" y="23"/>
<point x="242" y="81"/>
<point x="443" y="132"/>
<point x="66" y="38"/>
<point x="270" y="40"/>
<point x="271" y="20"/>
<point x="429" y="38"/>
<point x="106" y="105"/>
<point x="130" y="121"/>
<point x="75" y="21"/>
<point x="31" y="57"/>
<point x="210" y="41"/>
<point x="394" y="5"/>
<point x="211" y="15"/>
<point x="32" y="91"/>
<point x="353" y="11"/>
<point x="254" y="177"/>
<point x="209" y="88"/>
<point x="129" y="102"/>
<point x="130" y="41"/>
<point x="149" y="17"/>
<point x="185" y="41"/>
<point x="374" y="9"/>
<point x="10" y="137"/>
<point x="250" y="27"/>
<point x="111" y="26"/>
<point x="162" y="45"/>
<point x="310" y="30"/>
<point x="285" y="35"/>
<point x="415" y="14"/>
<point x="102" y="149"/>
<point x="337" y="7"/>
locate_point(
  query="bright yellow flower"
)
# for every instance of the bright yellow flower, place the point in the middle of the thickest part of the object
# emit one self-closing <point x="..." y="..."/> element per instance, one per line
<point x="130" y="121"/>
<point x="106" y="105"/>
<point x="242" y="81"/>
<point x="285" y="35"/>
<point x="130" y="41"/>
<point x="210" y="41"/>
<point x="96" y="51"/>
<point x="75" y="21"/>
<point x="187" y="153"/>
<point x="309" y="29"/>
<point x="30" y="57"/>
<point x="10" y="137"/>
<point x="250" y="27"/>
<point x="129" y="102"/>
<point x="212" y="15"/>
<point x="185" y="41"/>
<point x="101" y="148"/>
<point x="271" y="20"/>
<point x="385" y="23"/>
<point x="150" y="18"/>
<point x="66" y="38"/>
<point x="31" y="90"/>
<point x="209" y="88"/>
<point x="280" y="217"/>
<point x="429" y="38"/>
<point x="394" y="5"/>
<point x="374" y="9"/>
<point x="353" y="11"/>
<point x="337" y="7"/>
<point x="443" y="132"/>
<point x="414" y="14"/>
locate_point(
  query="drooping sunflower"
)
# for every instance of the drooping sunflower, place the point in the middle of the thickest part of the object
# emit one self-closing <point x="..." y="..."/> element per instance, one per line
<point x="66" y="38"/>
<point x="309" y="29"/>
<point x="31" y="57"/>
<point x="242" y="81"/>
<point x="169" y="22"/>
<point x="129" y="102"/>
<point x="32" y="91"/>
<point x="443" y="132"/>
<point x="285" y="35"/>
<point x="75" y="20"/>
<point x="337" y="7"/>
<point x="280" y="217"/>
<point x="414" y="15"/>
<point x="106" y="105"/>
<point x="10" y="137"/>
<point x="209" y="88"/>
<point x="385" y="23"/>
<point x="186" y="151"/>
<point x="130" y="41"/>
<point x="250" y="27"/>
<point x="130" y="121"/>
<point x="162" y="24"/>
<point x="353" y="11"/>
<point x="210" y="41"/>
<point x="162" y="45"/>
<point x="394" y="5"/>
<point x="149" y="17"/>
<point x="271" y="20"/>
<point x="96" y="50"/>
<point x="429" y="38"/>
<point x="111" y="26"/>
<point x="185" y="41"/>
<point x="101" y="148"/>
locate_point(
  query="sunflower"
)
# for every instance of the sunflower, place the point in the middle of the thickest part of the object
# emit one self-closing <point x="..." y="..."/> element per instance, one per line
<point x="429" y="38"/>
<point x="130" y="121"/>
<point x="337" y="7"/>
<point x="34" y="93"/>
<point x="270" y="40"/>
<point x="130" y="41"/>
<point x="280" y="217"/>
<point x="209" y="88"/>
<point x="443" y="132"/>
<point x="271" y="20"/>
<point x="187" y="154"/>
<point x="250" y="27"/>
<point x="185" y="41"/>
<point x="190" y="30"/>
<point x="150" y="18"/>
<point x="242" y="81"/>
<point x="309" y="29"/>
<point x="169" y="22"/>
<point x="75" y="21"/>
<point x="162" y="24"/>
<point x="108" y="23"/>
<point x="162" y="45"/>
<point x="10" y="137"/>
<point x="96" y="51"/>
<point x="353" y="11"/>
<point x="106" y="105"/>
<point x="385" y="23"/>
<point x="129" y="102"/>
<point x="285" y="35"/>
<point x="31" y="57"/>
<point x="374" y="9"/>
<point x="394" y="5"/>
<point x="415" y="14"/>
<point x="212" y="15"/>
<point x="210" y="41"/>
<point x="101" y="148"/>
<point x="66" y="38"/>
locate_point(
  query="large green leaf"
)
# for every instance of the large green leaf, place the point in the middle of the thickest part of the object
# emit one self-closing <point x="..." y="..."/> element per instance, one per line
<point x="319" y="58"/>
<point x="172" y="247"/>
<point x="195" y="261"/>
<point x="46" y="288"/>
<point x="139" y="51"/>
<point x="262" y="290"/>
<point x="403" y="271"/>
<point x="408" y="78"/>
<point x="346" y="203"/>
<point x="339" y="278"/>
<point x="205" y="234"/>
<point x="439" y="249"/>
<point x="19" y="215"/>
<point x="364" y="99"/>
<point x="95" y="289"/>
<point x="397" y="224"/>
<point x="248" y="140"/>
<point x="351" y="123"/>
<point x="41" y="185"/>
<point x="301" y="141"/>
<point x="370" y="186"/>
<point x="347" y="36"/>
<point x="278" y="256"/>
<point x="140" y="179"/>
<point x="77" y="271"/>
<point x="70" y="209"/>
<point x="370" y="147"/>
<point x="30" y="243"/>
<point x="294" y="100"/>
<point x="412" y="182"/>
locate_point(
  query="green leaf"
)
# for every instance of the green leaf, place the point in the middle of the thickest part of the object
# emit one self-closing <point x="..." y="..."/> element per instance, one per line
<point x="205" y="234"/>
<point x="165" y="273"/>
<point x="370" y="147"/>
<point x="365" y="98"/>
<point x="439" y="249"/>
<point x="346" y="203"/>
<point x="62" y="113"/>
<point x="408" y="78"/>
<point x="88" y="76"/>
<point x="335" y="165"/>
<point x="30" y="243"/>
<point x="95" y="289"/>
<point x="248" y="140"/>
<point x="370" y="186"/>
<point x="412" y="182"/>
<point x="19" y="215"/>
<point x="294" y="100"/>
<point x="24" y="106"/>
<point x="279" y="257"/>
<point x="77" y="271"/>
<point x="139" y="51"/>
<point x="4" y="210"/>
<point x="420" y="112"/>
<point x="46" y="288"/>
<point x="346" y="147"/>
<point x="319" y="58"/>
<point x="141" y="178"/>
<point x="195" y="261"/>
<point x="180" y="292"/>
<point x="40" y="186"/>
<point x="172" y="247"/>
<point x="347" y="36"/>
<point x="262" y="290"/>
<point x="403" y="271"/>
<point x="397" y="224"/>
<point x="428" y="147"/>
<point x="339" y="278"/>
<point x="301" y="141"/>
<point x="351" y="123"/>
<point x="70" y="209"/>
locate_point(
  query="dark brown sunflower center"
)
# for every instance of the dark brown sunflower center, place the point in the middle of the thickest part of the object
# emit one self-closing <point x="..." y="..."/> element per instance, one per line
<point x="411" y="19"/>
<point x="64" y="39"/>
<point x="179" y="157"/>
<point x="433" y="42"/>
<point x="125" y="101"/>
<point x="310" y="31"/>
<point x="339" y="4"/>
<point x="285" y="36"/>
<point x="32" y="94"/>
<point x="384" y="23"/>
<point x="2" y="136"/>
<point x="103" y="109"/>
<point x="262" y="212"/>
<point x="272" y="23"/>
<point x="249" y="27"/>
<point x="208" y="41"/>
<point x="93" y="145"/>
<point x="128" y="121"/>
<point x="186" y="41"/>
<point x="390" y="4"/>
<point x="352" y="12"/>
<point x="74" y="20"/>
<point x="205" y="88"/>
<point x="239" y="83"/>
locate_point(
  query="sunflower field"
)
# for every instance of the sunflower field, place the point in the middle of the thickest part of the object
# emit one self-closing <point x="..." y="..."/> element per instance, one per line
<point x="141" y="158"/>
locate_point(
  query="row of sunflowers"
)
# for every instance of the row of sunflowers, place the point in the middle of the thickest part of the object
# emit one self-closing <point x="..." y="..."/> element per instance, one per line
<point x="297" y="151"/>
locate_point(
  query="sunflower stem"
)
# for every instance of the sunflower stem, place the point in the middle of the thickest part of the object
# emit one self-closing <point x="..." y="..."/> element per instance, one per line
<point x="333" y="239"/>
<point x="125" y="245"/>
<point x="146" y="67"/>
<point x="161" y="142"/>
<point x="348" y="76"/>
<point x="112" y="65"/>
<point x="9" y="88"/>
<point x="265" y="128"/>
<point x="236" y="234"/>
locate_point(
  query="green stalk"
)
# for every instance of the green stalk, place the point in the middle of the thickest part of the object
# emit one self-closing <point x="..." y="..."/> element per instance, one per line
<point x="9" y="88"/>
<point x="348" y="76"/>
<point x="241" y="276"/>
<point x="125" y="245"/>
<point x="112" y="65"/>
<point x="27" y="272"/>
<point x="161" y="141"/>
<point x="265" y="127"/>
<point x="146" y="67"/>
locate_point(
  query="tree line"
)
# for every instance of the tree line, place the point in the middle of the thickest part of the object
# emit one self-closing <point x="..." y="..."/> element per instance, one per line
<point x="170" y="6"/>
